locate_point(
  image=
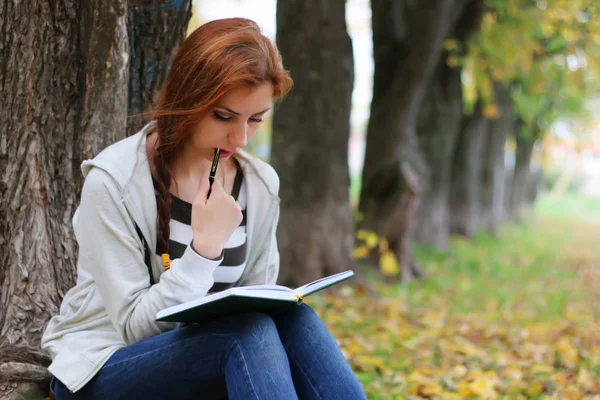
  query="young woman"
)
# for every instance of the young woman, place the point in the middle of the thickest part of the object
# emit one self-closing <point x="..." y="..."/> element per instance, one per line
<point x="150" y="236"/>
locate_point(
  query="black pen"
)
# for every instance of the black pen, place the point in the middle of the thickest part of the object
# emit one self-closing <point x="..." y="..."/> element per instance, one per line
<point x="213" y="170"/>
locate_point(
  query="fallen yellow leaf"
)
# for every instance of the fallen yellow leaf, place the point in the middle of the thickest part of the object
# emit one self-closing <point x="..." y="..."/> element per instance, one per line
<point x="568" y="354"/>
<point x="388" y="264"/>
<point x="484" y="387"/>
<point x="360" y="253"/>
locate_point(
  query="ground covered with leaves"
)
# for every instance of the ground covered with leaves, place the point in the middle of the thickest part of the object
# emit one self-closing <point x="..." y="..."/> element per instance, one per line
<point x="511" y="317"/>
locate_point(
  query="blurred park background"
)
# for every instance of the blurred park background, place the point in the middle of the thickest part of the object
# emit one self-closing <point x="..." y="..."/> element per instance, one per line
<point x="448" y="151"/>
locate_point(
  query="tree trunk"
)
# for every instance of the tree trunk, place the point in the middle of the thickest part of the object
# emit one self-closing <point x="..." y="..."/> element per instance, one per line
<point x="65" y="98"/>
<point x="466" y="189"/>
<point x="157" y="27"/>
<point x="64" y="75"/>
<point x="438" y="129"/>
<point x="521" y="174"/>
<point x="532" y="189"/>
<point x="407" y="39"/>
<point x="492" y="209"/>
<point x="311" y="128"/>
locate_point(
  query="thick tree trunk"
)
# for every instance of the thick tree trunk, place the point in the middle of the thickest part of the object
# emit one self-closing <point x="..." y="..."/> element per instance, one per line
<point x="492" y="208"/>
<point x="311" y="128"/>
<point x="64" y="75"/>
<point x="156" y="27"/>
<point x="438" y="129"/>
<point x="407" y="39"/>
<point x="466" y="189"/>
<point x="521" y="175"/>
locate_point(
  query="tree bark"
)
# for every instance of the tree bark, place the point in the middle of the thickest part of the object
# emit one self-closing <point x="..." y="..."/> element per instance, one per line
<point x="492" y="209"/>
<point x="311" y="128"/>
<point x="407" y="39"/>
<point x="438" y="129"/>
<point x="466" y="189"/>
<point x="64" y="71"/>
<point x="521" y="174"/>
<point x="65" y="75"/>
<point x="156" y="27"/>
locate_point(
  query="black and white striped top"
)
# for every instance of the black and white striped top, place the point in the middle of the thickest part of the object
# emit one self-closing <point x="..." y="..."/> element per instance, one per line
<point x="234" y="252"/>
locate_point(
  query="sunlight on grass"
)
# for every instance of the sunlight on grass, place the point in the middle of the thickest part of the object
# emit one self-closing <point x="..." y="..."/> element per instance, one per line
<point x="512" y="317"/>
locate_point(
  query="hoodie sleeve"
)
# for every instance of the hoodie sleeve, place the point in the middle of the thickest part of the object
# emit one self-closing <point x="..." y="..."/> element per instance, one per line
<point x="109" y="251"/>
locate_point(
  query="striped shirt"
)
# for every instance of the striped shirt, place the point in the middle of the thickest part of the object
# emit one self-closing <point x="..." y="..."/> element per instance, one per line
<point x="234" y="252"/>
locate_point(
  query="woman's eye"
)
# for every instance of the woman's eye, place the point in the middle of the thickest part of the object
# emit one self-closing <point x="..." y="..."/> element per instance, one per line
<point x="219" y="117"/>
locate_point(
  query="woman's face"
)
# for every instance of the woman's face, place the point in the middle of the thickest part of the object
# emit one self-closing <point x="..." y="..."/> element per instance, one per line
<point x="232" y="121"/>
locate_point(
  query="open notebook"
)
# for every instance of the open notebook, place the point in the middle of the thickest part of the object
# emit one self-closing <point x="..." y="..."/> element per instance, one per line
<point x="246" y="298"/>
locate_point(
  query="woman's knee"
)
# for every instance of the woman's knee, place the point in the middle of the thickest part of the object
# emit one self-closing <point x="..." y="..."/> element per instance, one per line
<point x="305" y="312"/>
<point x="301" y="317"/>
<point x="258" y="329"/>
<point x="259" y="338"/>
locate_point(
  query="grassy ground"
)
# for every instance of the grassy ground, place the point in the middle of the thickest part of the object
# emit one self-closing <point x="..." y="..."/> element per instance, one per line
<point x="512" y="317"/>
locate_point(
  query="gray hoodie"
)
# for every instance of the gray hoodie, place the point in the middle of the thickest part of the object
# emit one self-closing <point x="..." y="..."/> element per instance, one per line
<point x="113" y="304"/>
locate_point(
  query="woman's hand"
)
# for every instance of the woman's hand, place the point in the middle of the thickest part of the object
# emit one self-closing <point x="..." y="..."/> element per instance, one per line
<point x="213" y="219"/>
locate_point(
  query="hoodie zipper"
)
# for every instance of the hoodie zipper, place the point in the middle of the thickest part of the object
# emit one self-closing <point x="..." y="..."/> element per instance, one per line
<point x="132" y="209"/>
<point x="268" y="236"/>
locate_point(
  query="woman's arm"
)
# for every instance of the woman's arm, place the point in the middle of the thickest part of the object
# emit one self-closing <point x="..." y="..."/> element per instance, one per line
<point x="109" y="251"/>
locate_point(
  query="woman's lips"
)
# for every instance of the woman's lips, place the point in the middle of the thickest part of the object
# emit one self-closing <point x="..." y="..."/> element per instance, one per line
<point x="226" y="154"/>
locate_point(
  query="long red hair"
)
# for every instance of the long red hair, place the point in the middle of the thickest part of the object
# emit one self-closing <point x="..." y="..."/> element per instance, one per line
<point x="218" y="56"/>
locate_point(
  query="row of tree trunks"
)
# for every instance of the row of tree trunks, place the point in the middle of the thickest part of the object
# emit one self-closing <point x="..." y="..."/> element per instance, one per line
<point x="65" y="77"/>
<point x="311" y="129"/>
<point x="407" y="47"/>
<point x="438" y="129"/>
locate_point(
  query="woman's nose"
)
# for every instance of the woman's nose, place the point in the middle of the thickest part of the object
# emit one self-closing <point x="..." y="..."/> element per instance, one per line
<point x="239" y="137"/>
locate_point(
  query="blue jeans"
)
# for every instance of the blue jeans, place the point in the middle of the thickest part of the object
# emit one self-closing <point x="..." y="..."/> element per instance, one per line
<point x="287" y="354"/>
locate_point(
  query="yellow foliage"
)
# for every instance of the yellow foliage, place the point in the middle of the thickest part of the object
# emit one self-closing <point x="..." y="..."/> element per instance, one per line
<point x="383" y="244"/>
<point x="452" y="61"/>
<point x="483" y="387"/>
<point x="584" y="379"/>
<point x="497" y="73"/>
<point x="489" y="19"/>
<point x="360" y="253"/>
<point x="548" y="29"/>
<point x="388" y="264"/>
<point x="535" y="389"/>
<point x="491" y="111"/>
<point x="541" y="369"/>
<point x="450" y="45"/>
<point x="485" y="87"/>
<point x="372" y="240"/>
<point x="568" y="354"/>
<point x="570" y="34"/>
<point x="362" y="234"/>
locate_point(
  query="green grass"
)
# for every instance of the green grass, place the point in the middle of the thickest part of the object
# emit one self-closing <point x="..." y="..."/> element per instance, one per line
<point x="528" y="268"/>
<point x="526" y="301"/>
<point x="569" y="206"/>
